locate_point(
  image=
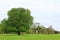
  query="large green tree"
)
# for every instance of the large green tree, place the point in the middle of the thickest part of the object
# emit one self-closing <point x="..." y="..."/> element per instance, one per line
<point x="19" y="19"/>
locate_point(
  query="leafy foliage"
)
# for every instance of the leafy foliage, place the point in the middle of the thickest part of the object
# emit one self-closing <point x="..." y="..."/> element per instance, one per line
<point x="20" y="19"/>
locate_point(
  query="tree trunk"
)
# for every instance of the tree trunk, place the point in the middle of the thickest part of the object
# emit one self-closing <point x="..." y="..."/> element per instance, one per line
<point x="18" y="33"/>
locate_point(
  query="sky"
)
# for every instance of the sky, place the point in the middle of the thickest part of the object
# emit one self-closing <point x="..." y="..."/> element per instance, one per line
<point x="46" y="12"/>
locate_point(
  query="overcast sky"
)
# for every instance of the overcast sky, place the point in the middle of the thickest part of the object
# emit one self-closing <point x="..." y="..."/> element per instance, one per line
<point x="46" y="12"/>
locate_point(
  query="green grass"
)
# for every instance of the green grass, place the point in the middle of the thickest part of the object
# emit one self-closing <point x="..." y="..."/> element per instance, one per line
<point x="30" y="37"/>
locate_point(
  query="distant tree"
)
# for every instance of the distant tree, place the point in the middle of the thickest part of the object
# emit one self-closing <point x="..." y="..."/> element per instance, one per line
<point x="50" y="30"/>
<point x="43" y="30"/>
<point x="35" y="26"/>
<point x="19" y="20"/>
<point x="39" y="28"/>
<point x="56" y="32"/>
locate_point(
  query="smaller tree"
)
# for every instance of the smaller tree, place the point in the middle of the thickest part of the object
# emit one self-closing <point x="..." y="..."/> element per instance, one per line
<point x="39" y="29"/>
<point x="50" y="30"/>
<point x="5" y="28"/>
<point x="43" y="30"/>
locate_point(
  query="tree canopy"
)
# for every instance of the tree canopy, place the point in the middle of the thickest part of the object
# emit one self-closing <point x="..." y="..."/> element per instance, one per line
<point x="19" y="19"/>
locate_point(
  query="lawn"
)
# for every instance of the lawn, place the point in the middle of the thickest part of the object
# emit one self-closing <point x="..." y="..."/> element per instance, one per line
<point x="30" y="37"/>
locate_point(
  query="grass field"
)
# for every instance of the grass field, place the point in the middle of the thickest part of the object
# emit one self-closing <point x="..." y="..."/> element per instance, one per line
<point x="30" y="37"/>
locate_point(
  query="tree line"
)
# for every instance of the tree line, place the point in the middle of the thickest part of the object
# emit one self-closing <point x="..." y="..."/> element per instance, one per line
<point x="40" y="29"/>
<point x="20" y="20"/>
